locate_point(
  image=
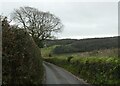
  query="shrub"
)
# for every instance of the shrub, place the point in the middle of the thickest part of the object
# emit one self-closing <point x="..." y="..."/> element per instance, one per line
<point x="69" y="58"/>
<point x="22" y="62"/>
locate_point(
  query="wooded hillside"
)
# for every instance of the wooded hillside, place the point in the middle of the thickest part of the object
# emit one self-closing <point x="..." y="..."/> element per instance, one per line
<point x="83" y="45"/>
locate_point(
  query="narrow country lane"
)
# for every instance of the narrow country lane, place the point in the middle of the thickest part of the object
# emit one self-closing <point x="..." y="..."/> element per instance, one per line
<point x="57" y="75"/>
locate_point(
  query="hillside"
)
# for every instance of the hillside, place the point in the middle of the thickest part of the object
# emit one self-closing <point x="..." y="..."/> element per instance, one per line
<point x="83" y="45"/>
<point x="49" y="43"/>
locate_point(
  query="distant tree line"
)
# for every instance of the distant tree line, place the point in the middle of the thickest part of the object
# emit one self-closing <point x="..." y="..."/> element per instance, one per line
<point x="49" y="42"/>
<point x="86" y="45"/>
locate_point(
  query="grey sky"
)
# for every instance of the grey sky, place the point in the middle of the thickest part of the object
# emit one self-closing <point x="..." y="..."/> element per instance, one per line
<point x="80" y="19"/>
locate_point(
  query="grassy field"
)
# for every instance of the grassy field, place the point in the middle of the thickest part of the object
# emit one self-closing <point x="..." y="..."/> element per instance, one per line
<point x="46" y="51"/>
<point x="96" y="67"/>
<point x="96" y="53"/>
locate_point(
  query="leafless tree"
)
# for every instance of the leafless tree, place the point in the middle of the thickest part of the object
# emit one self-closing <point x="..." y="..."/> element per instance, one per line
<point x="38" y="24"/>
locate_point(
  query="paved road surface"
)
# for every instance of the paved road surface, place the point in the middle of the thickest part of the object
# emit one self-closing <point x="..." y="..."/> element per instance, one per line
<point x="57" y="75"/>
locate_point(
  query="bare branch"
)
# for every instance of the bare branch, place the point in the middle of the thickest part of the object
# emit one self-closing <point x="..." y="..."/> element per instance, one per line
<point x="37" y="23"/>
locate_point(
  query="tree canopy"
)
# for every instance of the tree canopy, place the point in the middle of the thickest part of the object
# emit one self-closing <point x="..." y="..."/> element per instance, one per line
<point x="40" y="25"/>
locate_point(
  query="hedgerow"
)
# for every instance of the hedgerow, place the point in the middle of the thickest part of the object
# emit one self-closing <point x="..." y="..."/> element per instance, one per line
<point x="21" y="58"/>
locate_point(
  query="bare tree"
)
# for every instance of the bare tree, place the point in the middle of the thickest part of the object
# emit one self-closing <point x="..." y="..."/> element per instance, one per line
<point x="38" y="24"/>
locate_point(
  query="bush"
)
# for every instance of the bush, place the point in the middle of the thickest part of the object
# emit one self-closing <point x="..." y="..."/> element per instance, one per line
<point x="50" y="55"/>
<point x="69" y="58"/>
<point x="22" y="62"/>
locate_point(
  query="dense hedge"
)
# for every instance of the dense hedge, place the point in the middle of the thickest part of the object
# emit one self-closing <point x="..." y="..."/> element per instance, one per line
<point x="21" y="58"/>
<point x="100" y="72"/>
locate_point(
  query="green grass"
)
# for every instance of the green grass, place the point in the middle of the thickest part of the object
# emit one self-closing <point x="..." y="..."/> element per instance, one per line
<point x="47" y="50"/>
<point x="96" y="53"/>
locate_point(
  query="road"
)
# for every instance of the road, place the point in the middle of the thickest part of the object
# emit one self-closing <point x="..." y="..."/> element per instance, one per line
<point x="57" y="75"/>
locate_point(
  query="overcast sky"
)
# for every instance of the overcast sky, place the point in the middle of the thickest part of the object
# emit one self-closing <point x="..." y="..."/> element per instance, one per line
<point x="81" y="19"/>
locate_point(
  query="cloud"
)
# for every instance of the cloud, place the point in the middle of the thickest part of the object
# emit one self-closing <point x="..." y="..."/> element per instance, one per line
<point x="81" y="19"/>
